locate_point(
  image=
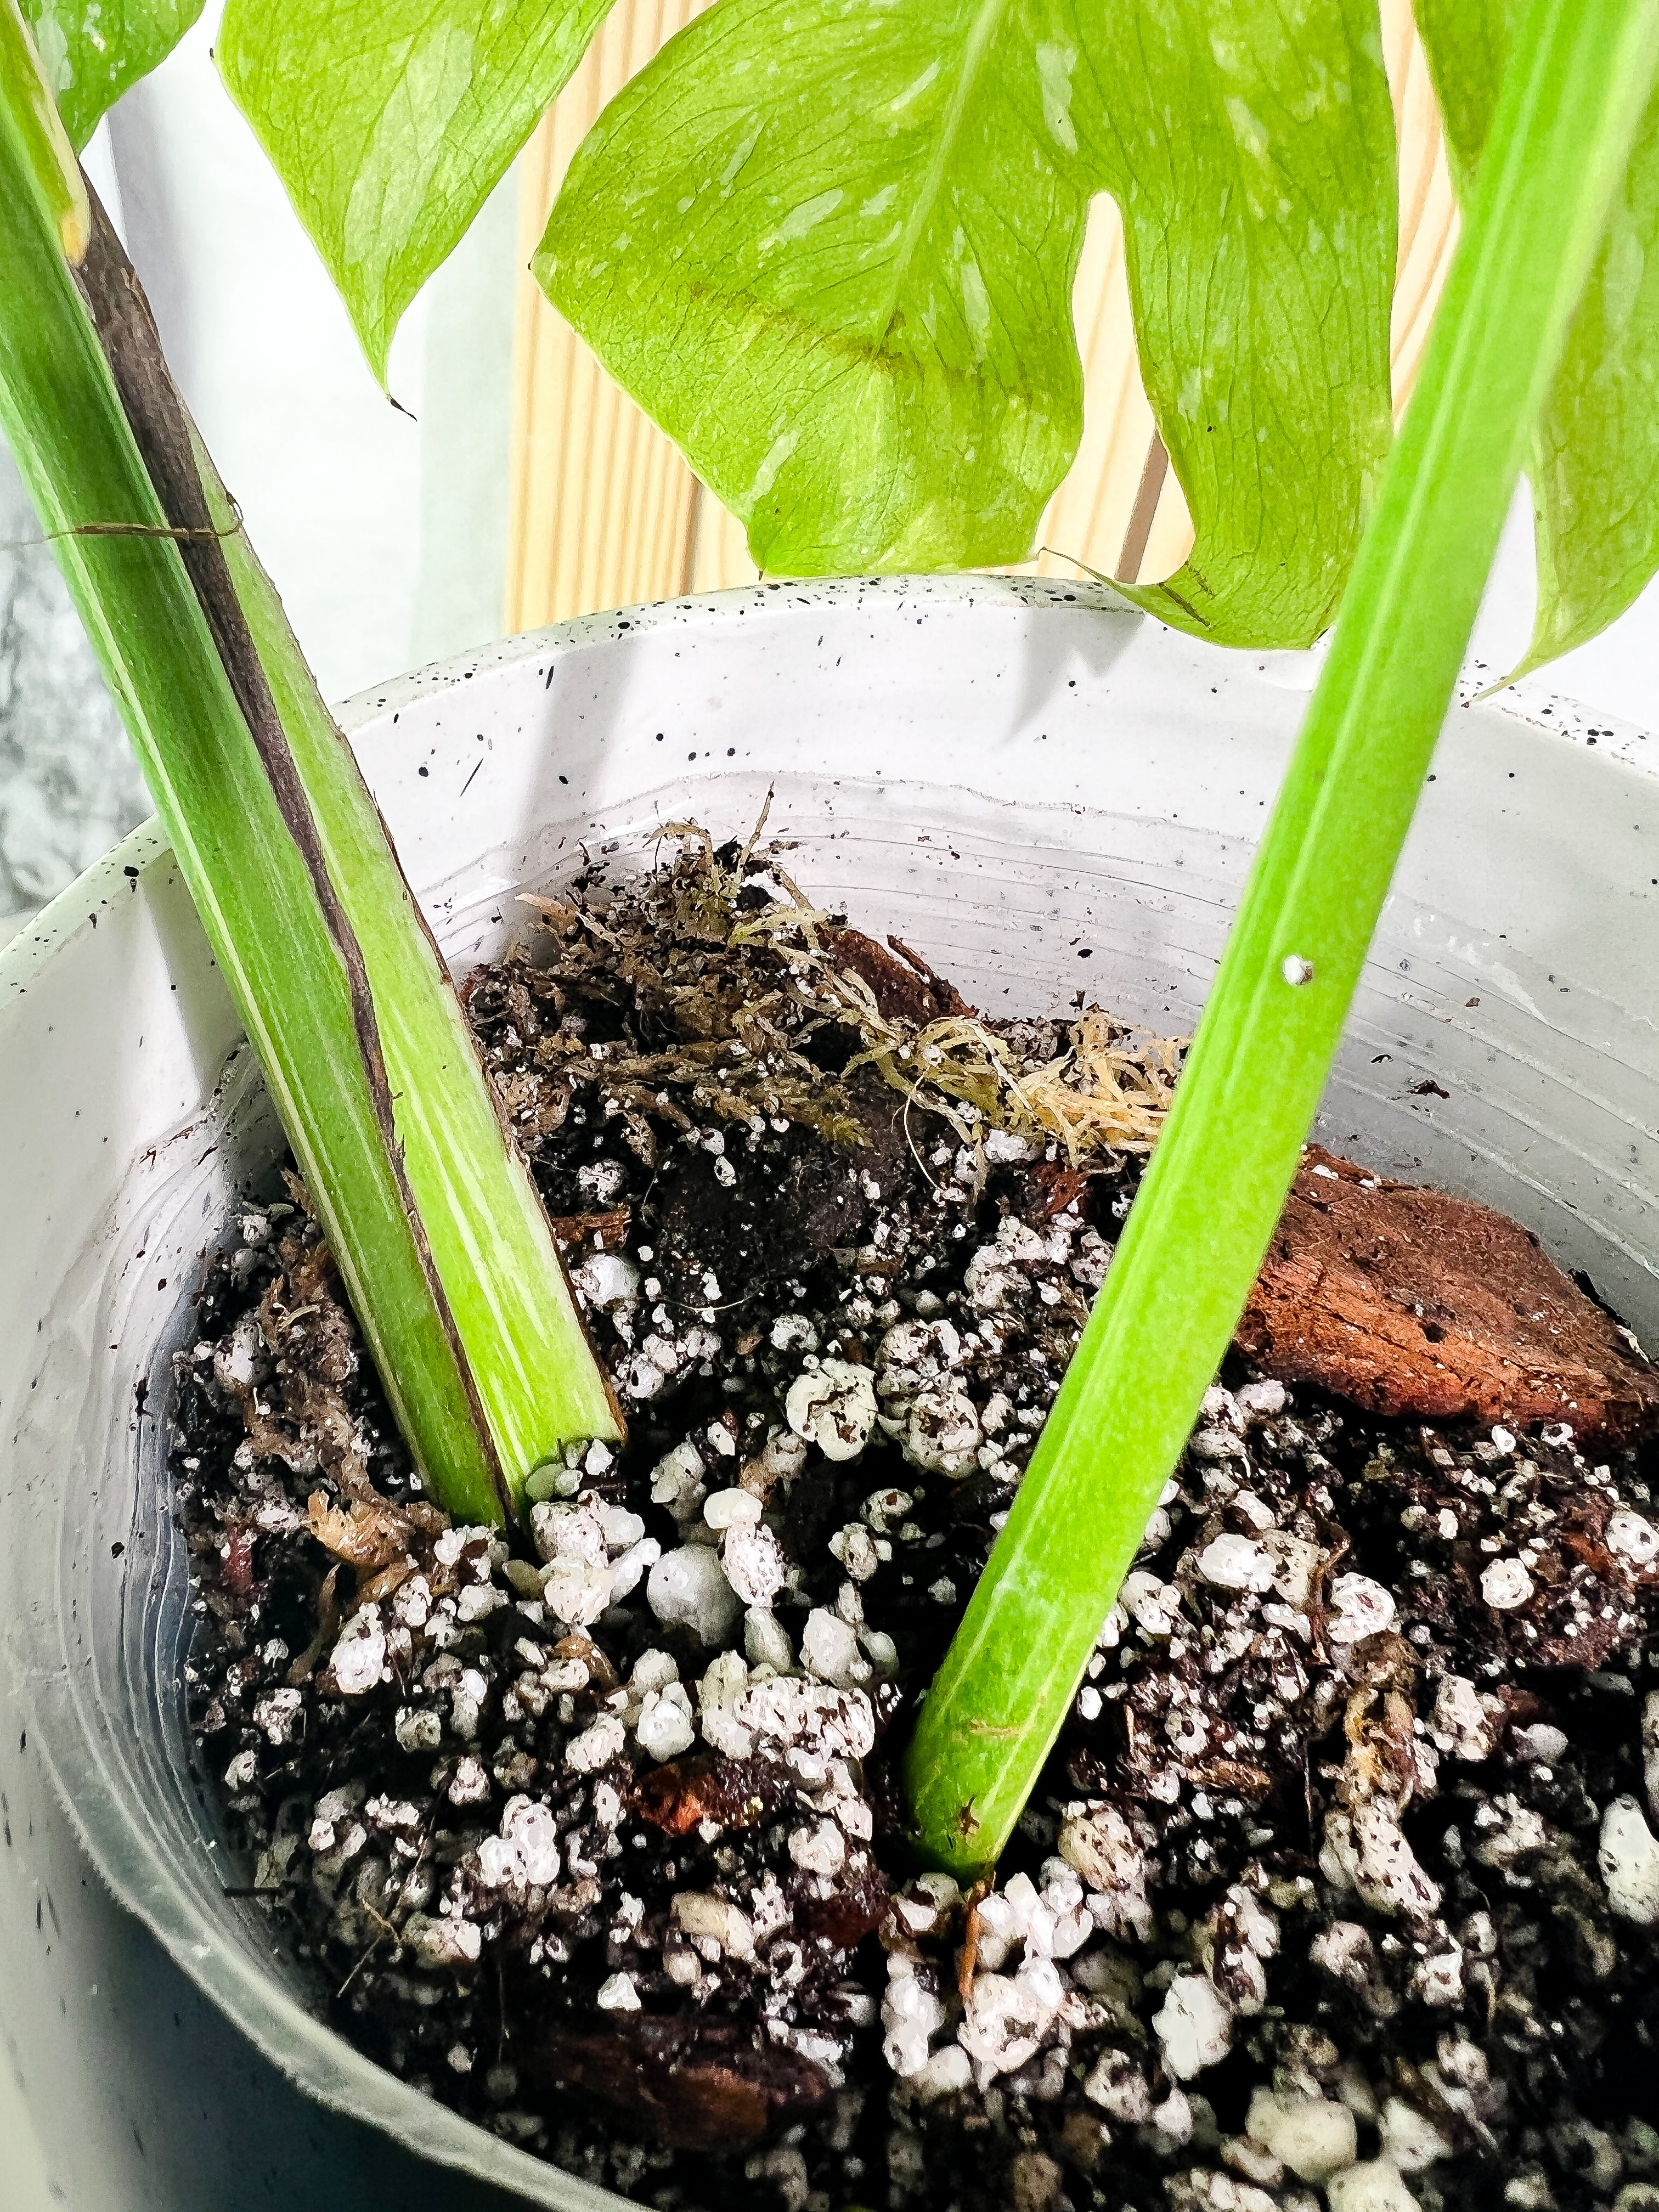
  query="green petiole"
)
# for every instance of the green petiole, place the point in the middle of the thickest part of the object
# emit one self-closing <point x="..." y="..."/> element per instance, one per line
<point x="1578" y="81"/>
<point x="429" y="1209"/>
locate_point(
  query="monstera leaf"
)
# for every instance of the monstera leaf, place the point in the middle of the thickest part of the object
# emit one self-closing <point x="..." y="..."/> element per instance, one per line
<point x="830" y="248"/>
<point x="391" y="122"/>
<point x="1251" y="149"/>
<point x="92" y="49"/>
<point x="841" y="279"/>
<point x="829" y="245"/>
<point x="1595" y="465"/>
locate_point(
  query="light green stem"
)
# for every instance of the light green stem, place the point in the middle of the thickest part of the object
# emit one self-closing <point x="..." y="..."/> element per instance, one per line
<point x="1572" y="96"/>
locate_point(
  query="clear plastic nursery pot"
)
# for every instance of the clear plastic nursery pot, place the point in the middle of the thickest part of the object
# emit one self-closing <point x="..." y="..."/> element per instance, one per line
<point x="1043" y="791"/>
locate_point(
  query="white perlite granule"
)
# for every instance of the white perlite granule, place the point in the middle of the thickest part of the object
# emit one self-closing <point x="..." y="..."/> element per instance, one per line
<point x="1118" y="2086"/>
<point x="664" y="1727"/>
<point x="829" y="1648"/>
<point x="914" y="1353"/>
<point x="754" y="1562"/>
<point x="417" y="1730"/>
<point x="443" y="1942"/>
<point x="819" y="1848"/>
<point x="534" y="1834"/>
<point x="606" y="1278"/>
<point x="500" y="1866"/>
<point x="359" y="1659"/>
<point x="706" y="1919"/>
<point x="627" y="1571"/>
<point x="1103" y="1847"/>
<point x="570" y="1531"/>
<point x="676" y="1481"/>
<point x="718" y="1694"/>
<point x="1315" y="2137"/>
<point x="942" y="1433"/>
<point x="280" y="1717"/>
<point x="946" y="2074"/>
<point x="1007" y="2016"/>
<point x="1193" y="2025"/>
<point x="731" y="1509"/>
<point x="1154" y="1606"/>
<point x="1628" y="1858"/>
<point x="1366" y="1850"/>
<point x="1375" y="2186"/>
<point x="833" y="1406"/>
<point x="1505" y="1584"/>
<point x="854" y="1548"/>
<point x="599" y="1742"/>
<point x="1363" y="1606"/>
<point x="911" y="2014"/>
<point x="689" y="1585"/>
<point x="1540" y="1742"/>
<point x="766" y="1640"/>
<point x="1637" y="1539"/>
<point x="1463" y="1727"/>
<point x="1237" y="1563"/>
<point x="812" y="1716"/>
<point x="575" y="1590"/>
<point x="1411" y="2141"/>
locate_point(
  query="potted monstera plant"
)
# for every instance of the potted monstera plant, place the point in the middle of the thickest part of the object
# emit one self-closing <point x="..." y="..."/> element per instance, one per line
<point x="663" y="1692"/>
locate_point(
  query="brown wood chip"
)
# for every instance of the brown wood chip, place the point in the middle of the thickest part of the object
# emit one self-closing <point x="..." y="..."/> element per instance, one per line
<point x="854" y="1908"/>
<point x="903" y="986"/>
<point x="735" y="1793"/>
<point x="696" y="2085"/>
<point x="1050" y="1187"/>
<point x="1410" y="1303"/>
<point x="365" y="1535"/>
<point x="574" y="1229"/>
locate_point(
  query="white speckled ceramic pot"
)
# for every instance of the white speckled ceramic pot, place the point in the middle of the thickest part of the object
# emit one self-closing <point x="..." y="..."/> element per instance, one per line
<point x="1045" y="793"/>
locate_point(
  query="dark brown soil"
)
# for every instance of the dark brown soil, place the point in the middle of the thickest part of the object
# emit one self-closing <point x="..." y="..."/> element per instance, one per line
<point x="1341" y="1884"/>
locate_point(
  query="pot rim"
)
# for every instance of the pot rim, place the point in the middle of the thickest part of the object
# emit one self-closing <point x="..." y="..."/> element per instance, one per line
<point x="267" y="2008"/>
<point x="35" y="945"/>
<point x="22" y="957"/>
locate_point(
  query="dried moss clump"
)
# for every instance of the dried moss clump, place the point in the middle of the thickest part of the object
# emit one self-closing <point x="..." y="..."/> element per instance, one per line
<point x="756" y="1002"/>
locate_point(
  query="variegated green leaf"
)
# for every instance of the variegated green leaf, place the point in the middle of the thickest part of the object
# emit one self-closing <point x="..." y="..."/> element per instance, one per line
<point x="830" y="247"/>
<point x="92" y="49"/>
<point x="1251" y="149"/>
<point x="390" y="121"/>
<point x="1595" y="464"/>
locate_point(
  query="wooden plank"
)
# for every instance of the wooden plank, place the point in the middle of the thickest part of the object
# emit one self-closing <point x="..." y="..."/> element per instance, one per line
<point x="601" y="506"/>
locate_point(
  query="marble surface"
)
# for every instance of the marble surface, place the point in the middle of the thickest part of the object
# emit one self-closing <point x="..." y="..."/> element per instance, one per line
<point x="69" y="786"/>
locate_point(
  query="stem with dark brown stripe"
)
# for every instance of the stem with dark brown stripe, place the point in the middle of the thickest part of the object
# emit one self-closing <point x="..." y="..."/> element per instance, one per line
<point x="431" y="1213"/>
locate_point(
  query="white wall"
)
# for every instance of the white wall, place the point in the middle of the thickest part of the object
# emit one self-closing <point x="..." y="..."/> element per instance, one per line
<point x="383" y="526"/>
<point x="1617" y="673"/>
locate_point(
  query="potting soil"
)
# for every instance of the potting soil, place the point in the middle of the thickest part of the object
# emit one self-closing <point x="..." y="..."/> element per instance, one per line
<point x="1342" y="1888"/>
